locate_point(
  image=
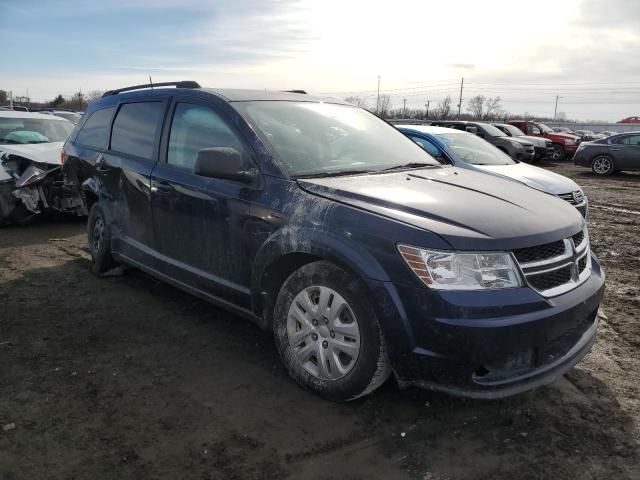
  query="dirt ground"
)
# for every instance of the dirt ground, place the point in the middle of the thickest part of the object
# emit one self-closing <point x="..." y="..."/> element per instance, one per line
<point x="127" y="378"/>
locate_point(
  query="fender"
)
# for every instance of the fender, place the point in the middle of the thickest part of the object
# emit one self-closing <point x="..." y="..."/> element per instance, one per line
<point x="95" y="186"/>
<point x="316" y="242"/>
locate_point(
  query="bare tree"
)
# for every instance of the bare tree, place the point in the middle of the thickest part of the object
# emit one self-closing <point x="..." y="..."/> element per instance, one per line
<point x="493" y="108"/>
<point x="93" y="95"/>
<point x="443" y="110"/>
<point x="384" y="106"/>
<point x="475" y="106"/>
<point x="3" y="96"/>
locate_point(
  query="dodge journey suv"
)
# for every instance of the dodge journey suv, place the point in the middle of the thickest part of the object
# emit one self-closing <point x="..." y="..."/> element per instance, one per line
<point x="323" y="223"/>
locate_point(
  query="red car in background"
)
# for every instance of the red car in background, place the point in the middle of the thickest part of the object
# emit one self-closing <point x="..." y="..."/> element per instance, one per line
<point x="563" y="144"/>
<point x="630" y="120"/>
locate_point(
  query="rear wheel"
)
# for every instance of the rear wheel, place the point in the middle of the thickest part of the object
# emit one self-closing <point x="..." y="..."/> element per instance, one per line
<point x="602" y="165"/>
<point x="558" y="152"/>
<point x="327" y="333"/>
<point x="99" y="237"/>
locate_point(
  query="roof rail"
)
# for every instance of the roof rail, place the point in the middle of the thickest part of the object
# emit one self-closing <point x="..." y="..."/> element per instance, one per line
<point x="295" y="91"/>
<point x="181" y="84"/>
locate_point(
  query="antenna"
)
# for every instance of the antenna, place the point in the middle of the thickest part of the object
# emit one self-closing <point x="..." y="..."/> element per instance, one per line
<point x="150" y="82"/>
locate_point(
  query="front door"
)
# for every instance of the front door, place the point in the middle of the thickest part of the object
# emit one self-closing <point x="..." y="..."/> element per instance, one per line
<point x="199" y="222"/>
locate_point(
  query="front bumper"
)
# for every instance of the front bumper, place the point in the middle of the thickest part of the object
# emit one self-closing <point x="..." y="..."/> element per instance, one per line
<point x="491" y="344"/>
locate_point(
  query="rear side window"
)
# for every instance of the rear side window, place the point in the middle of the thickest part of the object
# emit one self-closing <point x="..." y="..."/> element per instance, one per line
<point x="627" y="140"/>
<point x="195" y="127"/>
<point x="95" y="131"/>
<point x="135" y="128"/>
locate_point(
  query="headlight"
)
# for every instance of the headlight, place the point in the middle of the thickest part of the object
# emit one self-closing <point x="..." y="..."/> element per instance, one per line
<point x="569" y="141"/>
<point x="517" y="145"/>
<point x="461" y="271"/>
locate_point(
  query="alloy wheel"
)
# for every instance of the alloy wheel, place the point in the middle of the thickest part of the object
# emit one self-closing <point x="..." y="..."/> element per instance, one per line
<point x="557" y="153"/>
<point x="323" y="333"/>
<point x="98" y="234"/>
<point x="602" y="165"/>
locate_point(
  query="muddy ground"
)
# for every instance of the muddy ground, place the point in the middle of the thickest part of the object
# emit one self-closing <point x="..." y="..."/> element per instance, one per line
<point x="128" y="378"/>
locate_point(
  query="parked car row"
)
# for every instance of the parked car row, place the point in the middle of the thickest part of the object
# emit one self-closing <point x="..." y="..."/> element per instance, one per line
<point x="464" y="150"/>
<point x="361" y="252"/>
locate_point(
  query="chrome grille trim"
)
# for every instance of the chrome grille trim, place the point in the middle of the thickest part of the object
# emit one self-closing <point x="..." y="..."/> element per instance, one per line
<point x="571" y="258"/>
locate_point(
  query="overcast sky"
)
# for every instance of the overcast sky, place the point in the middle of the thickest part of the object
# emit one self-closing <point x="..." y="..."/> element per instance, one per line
<point x="586" y="51"/>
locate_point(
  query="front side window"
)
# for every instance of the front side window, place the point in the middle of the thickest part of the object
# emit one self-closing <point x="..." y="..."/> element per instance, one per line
<point x="474" y="150"/>
<point x="33" y="130"/>
<point x="195" y="127"/>
<point x="313" y="138"/>
<point x="533" y="130"/>
<point x="95" y="131"/>
<point x="135" y="127"/>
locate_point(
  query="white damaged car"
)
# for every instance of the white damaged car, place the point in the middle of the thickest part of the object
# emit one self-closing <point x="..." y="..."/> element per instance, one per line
<point x="31" y="178"/>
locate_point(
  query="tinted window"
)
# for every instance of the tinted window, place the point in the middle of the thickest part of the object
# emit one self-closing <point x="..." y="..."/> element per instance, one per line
<point x="135" y="127"/>
<point x="627" y="140"/>
<point x="95" y="131"/>
<point x="193" y="128"/>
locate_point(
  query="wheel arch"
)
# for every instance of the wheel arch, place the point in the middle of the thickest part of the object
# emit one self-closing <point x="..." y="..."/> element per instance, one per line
<point x="286" y="251"/>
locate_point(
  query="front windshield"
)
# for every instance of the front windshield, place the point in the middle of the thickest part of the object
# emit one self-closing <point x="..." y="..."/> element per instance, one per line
<point x="323" y="138"/>
<point x="493" y="131"/>
<point x="33" y="130"/>
<point x="514" y="131"/>
<point x="544" y="128"/>
<point x="474" y="150"/>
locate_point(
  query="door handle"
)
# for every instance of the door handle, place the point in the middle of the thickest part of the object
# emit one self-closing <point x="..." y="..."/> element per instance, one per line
<point x="161" y="187"/>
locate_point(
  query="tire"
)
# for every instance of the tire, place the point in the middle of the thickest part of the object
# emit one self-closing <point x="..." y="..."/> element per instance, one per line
<point x="337" y="352"/>
<point x="12" y="211"/>
<point x="558" y="152"/>
<point x="602" y="165"/>
<point x="99" y="239"/>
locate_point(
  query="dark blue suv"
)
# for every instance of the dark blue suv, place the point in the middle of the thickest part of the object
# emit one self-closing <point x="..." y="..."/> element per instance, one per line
<point x="320" y="221"/>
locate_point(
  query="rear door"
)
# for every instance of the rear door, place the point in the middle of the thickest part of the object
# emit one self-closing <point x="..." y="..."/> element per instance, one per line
<point x="626" y="152"/>
<point x="199" y="222"/>
<point x="126" y="169"/>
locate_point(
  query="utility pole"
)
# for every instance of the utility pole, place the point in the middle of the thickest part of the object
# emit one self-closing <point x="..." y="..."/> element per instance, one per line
<point x="460" y="99"/>
<point x="378" y="99"/>
<point x="427" y="105"/>
<point x="404" y="108"/>
<point x="555" y="110"/>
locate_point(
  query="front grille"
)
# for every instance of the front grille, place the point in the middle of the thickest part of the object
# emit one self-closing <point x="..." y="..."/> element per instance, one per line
<point x="542" y="252"/>
<point x="568" y="197"/>
<point x="556" y="267"/>
<point x="577" y="238"/>
<point x="582" y="264"/>
<point x="549" y="280"/>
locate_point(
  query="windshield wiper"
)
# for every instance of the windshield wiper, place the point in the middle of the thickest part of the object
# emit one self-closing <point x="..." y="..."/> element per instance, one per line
<point x="337" y="173"/>
<point x="409" y="165"/>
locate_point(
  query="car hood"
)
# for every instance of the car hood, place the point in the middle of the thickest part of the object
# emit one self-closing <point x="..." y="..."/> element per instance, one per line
<point x="566" y="136"/>
<point x="520" y="140"/>
<point x="37" y="152"/>
<point x="534" y="177"/>
<point x="470" y="210"/>
<point x="537" y="141"/>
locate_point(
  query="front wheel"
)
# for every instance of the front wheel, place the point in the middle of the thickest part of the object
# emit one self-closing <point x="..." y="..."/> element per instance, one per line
<point x="602" y="165"/>
<point x="558" y="152"/>
<point x="327" y="333"/>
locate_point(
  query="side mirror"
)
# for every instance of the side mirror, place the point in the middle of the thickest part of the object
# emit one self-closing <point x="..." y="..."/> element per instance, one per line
<point x="222" y="162"/>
